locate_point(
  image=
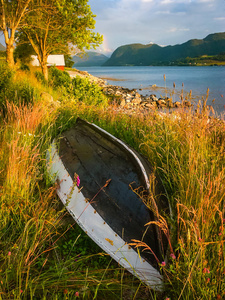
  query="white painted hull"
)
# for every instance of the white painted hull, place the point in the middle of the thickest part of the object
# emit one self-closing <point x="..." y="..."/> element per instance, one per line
<point x="95" y="226"/>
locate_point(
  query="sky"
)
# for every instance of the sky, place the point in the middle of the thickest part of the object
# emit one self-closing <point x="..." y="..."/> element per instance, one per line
<point x="164" y="22"/>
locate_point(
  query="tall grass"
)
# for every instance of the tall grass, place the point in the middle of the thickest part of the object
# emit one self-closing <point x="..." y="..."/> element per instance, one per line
<point x="187" y="148"/>
<point x="189" y="151"/>
<point x="43" y="255"/>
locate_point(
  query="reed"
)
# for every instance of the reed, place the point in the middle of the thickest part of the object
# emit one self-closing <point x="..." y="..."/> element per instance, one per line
<point x="188" y="150"/>
<point x="43" y="253"/>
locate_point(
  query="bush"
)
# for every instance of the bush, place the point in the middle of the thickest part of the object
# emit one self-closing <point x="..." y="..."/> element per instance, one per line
<point x="40" y="77"/>
<point x="24" y="67"/>
<point x="6" y="75"/>
<point x="80" y="88"/>
<point x="22" y="93"/>
<point x="58" y="78"/>
<point x="19" y="92"/>
<point x="88" y="92"/>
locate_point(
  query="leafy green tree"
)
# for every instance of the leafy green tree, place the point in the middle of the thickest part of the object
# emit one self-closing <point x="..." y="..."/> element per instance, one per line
<point x="68" y="61"/>
<point x="12" y="18"/>
<point x="57" y="26"/>
<point x="23" y="53"/>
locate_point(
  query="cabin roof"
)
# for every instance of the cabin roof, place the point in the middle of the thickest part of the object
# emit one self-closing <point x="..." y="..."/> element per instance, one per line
<point x="55" y="59"/>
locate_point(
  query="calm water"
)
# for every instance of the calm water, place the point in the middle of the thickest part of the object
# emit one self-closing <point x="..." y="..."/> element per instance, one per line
<point x="196" y="79"/>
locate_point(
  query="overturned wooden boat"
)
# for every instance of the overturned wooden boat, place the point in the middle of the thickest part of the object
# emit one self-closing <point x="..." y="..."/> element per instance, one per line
<point x="106" y="207"/>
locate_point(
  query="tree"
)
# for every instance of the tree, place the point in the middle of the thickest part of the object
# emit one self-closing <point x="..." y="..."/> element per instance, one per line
<point x="68" y="61"/>
<point x="57" y="26"/>
<point x="23" y="53"/>
<point x="12" y="15"/>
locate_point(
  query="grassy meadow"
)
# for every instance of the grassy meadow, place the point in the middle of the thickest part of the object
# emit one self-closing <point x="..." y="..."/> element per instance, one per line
<point x="44" y="254"/>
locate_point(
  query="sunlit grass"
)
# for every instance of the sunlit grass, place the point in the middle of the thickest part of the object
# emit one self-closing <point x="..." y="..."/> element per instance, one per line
<point x="42" y="252"/>
<point x="36" y="260"/>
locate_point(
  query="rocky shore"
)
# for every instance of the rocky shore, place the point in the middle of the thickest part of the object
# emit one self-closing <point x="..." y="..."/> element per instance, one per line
<point x="131" y="99"/>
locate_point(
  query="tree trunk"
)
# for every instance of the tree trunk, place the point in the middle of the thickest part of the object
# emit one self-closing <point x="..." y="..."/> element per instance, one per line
<point x="45" y="71"/>
<point x="9" y="54"/>
<point x="9" y="41"/>
<point x="42" y="57"/>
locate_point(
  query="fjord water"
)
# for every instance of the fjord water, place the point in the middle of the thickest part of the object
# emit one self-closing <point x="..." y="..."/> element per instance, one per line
<point x="197" y="79"/>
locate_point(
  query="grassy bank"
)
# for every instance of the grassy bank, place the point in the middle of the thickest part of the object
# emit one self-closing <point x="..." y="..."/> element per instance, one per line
<point x="44" y="255"/>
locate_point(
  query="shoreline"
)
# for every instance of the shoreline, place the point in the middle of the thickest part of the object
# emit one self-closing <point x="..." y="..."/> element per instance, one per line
<point x="180" y="97"/>
<point x="131" y="99"/>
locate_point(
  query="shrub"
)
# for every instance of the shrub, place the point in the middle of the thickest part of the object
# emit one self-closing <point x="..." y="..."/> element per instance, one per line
<point x="23" y="93"/>
<point x="80" y="88"/>
<point x="19" y="91"/>
<point x="88" y="92"/>
<point x="40" y="77"/>
<point x="24" y="67"/>
<point x="6" y="75"/>
<point x="58" y="78"/>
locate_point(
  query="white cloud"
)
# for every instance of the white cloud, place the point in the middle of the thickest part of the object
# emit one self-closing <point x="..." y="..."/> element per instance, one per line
<point x="160" y="21"/>
<point x="219" y="19"/>
<point x="204" y="1"/>
<point x="167" y="1"/>
<point x="162" y="12"/>
<point x="164" y="2"/>
<point x="168" y="12"/>
<point x="177" y="29"/>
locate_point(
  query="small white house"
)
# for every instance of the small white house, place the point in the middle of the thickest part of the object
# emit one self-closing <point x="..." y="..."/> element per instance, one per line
<point x="53" y="60"/>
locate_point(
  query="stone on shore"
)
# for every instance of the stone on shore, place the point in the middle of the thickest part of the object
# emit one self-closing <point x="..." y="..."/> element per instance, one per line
<point x="130" y="98"/>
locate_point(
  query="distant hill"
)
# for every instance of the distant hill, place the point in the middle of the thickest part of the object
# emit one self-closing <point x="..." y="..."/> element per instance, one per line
<point x="2" y="48"/>
<point x="153" y="54"/>
<point x="91" y="59"/>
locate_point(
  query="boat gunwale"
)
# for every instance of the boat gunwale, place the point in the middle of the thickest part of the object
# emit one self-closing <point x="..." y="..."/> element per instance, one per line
<point x="122" y="145"/>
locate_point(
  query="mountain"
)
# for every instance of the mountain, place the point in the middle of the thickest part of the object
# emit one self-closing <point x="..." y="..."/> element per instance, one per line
<point x="153" y="54"/>
<point x="2" y="48"/>
<point x="91" y="59"/>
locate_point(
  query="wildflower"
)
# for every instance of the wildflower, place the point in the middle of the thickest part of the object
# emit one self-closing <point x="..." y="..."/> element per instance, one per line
<point x="77" y="180"/>
<point x="65" y="291"/>
<point x="21" y="291"/>
<point x="173" y="256"/>
<point x="200" y="239"/>
<point x="167" y="298"/>
<point x="9" y="253"/>
<point x="77" y="294"/>
<point x="163" y="264"/>
<point x="205" y="270"/>
<point x="207" y="280"/>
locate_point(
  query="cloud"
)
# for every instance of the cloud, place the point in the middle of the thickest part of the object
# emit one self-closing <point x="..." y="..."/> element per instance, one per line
<point x="165" y="2"/>
<point x="177" y="29"/>
<point x="205" y="1"/>
<point x="170" y="12"/>
<point x="160" y="21"/>
<point x="219" y="19"/>
<point x="162" y="12"/>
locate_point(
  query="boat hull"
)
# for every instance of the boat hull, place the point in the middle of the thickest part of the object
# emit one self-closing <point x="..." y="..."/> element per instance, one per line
<point x="106" y="207"/>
